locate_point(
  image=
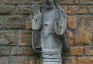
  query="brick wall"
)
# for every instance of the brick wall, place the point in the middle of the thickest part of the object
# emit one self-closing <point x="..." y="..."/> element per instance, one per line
<point x="15" y="32"/>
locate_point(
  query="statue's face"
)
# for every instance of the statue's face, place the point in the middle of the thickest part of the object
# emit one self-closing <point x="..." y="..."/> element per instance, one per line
<point x="49" y="3"/>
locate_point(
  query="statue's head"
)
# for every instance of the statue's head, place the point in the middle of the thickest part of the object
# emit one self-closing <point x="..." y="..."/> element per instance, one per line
<point x="50" y="3"/>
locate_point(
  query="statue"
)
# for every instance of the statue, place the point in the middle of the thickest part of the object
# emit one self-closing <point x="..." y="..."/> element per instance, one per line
<point x="48" y="28"/>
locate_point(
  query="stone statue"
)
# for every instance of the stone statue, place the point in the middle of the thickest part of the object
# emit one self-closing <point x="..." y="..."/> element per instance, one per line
<point x="48" y="28"/>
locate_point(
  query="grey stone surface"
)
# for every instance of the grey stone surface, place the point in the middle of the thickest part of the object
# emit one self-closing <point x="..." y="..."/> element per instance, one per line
<point x="6" y="9"/>
<point x="0" y="1"/>
<point x="22" y="51"/>
<point x="90" y="9"/>
<point x="86" y="1"/>
<point x="23" y="9"/>
<point x="4" y="51"/>
<point x="13" y="2"/>
<point x="15" y="22"/>
<point x="19" y="60"/>
<point x="4" y="60"/>
<point x="27" y="1"/>
<point x="2" y="19"/>
<point x="7" y="38"/>
<point x="25" y="38"/>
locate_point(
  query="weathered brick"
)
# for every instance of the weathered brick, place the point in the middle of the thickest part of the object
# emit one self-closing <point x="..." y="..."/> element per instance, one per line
<point x="23" y="9"/>
<point x="25" y="51"/>
<point x="28" y="23"/>
<point x="84" y="30"/>
<point x="22" y="51"/>
<point x="86" y="1"/>
<point x="25" y="38"/>
<point x="14" y="50"/>
<point x="69" y="60"/>
<point x="13" y="1"/>
<point x="70" y="2"/>
<point x="6" y="9"/>
<point x="27" y="1"/>
<point x="7" y="38"/>
<point x="70" y="37"/>
<point x="34" y="60"/>
<point x="4" y="60"/>
<point x="72" y="20"/>
<point x="37" y="1"/>
<point x="89" y="50"/>
<point x="19" y="60"/>
<point x="41" y="6"/>
<point x="75" y="51"/>
<point x="77" y="10"/>
<point x="85" y="60"/>
<point x="90" y="9"/>
<point x="4" y="51"/>
<point x="1" y="21"/>
<point x="0" y="1"/>
<point x="15" y="22"/>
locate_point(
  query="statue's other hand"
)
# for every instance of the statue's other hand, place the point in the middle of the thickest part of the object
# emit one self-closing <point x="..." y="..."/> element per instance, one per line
<point x="36" y="17"/>
<point x="36" y="12"/>
<point x="59" y="23"/>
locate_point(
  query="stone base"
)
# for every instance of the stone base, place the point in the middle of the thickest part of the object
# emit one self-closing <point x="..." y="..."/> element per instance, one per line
<point x="51" y="63"/>
<point x="51" y="58"/>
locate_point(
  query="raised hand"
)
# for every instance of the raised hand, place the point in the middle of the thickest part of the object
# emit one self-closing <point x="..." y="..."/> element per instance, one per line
<point x="36" y="20"/>
<point x="59" y="24"/>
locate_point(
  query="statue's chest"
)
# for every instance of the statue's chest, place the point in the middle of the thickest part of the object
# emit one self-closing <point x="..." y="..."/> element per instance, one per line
<point x="48" y="22"/>
<point x="49" y="18"/>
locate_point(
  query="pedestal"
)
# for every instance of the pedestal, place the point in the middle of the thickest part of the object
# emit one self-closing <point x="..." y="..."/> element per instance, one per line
<point x="51" y="58"/>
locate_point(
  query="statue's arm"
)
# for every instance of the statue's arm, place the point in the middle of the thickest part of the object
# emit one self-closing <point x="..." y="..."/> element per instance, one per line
<point x="60" y="23"/>
<point x="36" y="19"/>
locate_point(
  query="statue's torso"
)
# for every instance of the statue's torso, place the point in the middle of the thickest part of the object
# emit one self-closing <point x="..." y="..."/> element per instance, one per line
<point x="49" y="39"/>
